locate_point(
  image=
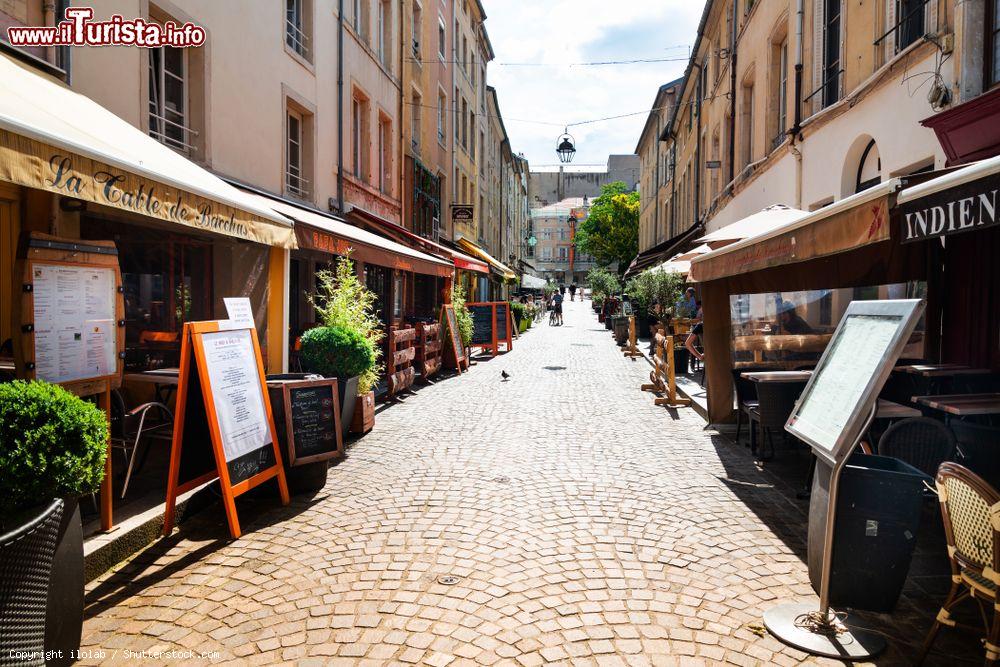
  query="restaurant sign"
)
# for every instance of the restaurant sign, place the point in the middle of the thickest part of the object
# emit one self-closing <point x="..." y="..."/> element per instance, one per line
<point x="462" y="212"/>
<point x="960" y="209"/>
<point x="35" y="164"/>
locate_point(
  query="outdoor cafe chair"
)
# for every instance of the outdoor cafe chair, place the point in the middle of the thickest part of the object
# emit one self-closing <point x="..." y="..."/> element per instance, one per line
<point x="922" y="442"/>
<point x="775" y="402"/>
<point x="746" y="396"/>
<point x="970" y="509"/>
<point x="129" y="427"/>
<point x="26" y="555"/>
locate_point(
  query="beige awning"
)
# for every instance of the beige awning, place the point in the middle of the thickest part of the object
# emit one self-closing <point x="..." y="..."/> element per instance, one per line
<point x="55" y="139"/>
<point x="769" y="219"/>
<point x="844" y="225"/>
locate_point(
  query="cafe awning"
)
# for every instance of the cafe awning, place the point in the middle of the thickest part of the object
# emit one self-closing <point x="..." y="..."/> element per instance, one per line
<point x="662" y="251"/>
<point x="460" y="260"/>
<point x="502" y="269"/>
<point x="532" y="282"/>
<point x="322" y="232"/>
<point x="850" y="223"/>
<point x="53" y="138"/>
<point x="771" y="218"/>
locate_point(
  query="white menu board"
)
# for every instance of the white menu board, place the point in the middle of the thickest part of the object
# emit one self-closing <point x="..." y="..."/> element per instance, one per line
<point x="74" y="321"/>
<point x="236" y="392"/>
<point x="839" y="397"/>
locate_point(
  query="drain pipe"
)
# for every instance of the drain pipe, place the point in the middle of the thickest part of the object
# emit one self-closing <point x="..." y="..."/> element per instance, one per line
<point x="732" y="96"/>
<point x="340" y="106"/>
<point x="796" y="130"/>
<point x="698" y="90"/>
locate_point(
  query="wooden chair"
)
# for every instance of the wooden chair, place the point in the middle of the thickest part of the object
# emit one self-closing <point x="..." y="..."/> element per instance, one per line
<point x="970" y="509"/>
<point x="922" y="442"/>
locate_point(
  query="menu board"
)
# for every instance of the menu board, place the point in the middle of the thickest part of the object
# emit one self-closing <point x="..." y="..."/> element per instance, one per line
<point x="234" y="385"/>
<point x="307" y="418"/>
<point x="482" y="323"/>
<point x="75" y="336"/>
<point x="450" y="320"/>
<point x="836" y="403"/>
<point x="503" y="319"/>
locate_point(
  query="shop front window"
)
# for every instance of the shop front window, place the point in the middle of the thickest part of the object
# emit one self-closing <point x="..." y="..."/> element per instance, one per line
<point x="167" y="281"/>
<point x="790" y="330"/>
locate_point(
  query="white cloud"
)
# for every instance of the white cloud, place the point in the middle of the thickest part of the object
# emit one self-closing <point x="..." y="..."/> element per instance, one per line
<point x="571" y="31"/>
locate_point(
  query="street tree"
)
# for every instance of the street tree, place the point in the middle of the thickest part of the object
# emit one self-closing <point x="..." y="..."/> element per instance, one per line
<point x="610" y="234"/>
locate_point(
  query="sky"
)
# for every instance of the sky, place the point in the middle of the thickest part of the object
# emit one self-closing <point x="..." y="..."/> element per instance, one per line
<point x="557" y="32"/>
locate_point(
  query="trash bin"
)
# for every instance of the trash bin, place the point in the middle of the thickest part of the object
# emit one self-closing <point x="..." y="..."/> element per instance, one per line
<point x="878" y="514"/>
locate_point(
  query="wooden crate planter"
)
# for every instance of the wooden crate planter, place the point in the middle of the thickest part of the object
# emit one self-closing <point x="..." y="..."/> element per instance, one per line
<point x="429" y="348"/>
<point x="399" y="361"/>
<point x="364" y="413"/>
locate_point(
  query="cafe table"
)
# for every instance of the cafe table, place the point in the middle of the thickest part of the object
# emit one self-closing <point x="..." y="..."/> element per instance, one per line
<point x="778" y="376"/>
<point x="963" y="405"/>
<point x="164" y="381"/>
<point x="936" y="374"/>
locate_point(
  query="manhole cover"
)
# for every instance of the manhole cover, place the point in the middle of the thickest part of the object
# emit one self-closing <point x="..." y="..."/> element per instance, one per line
<point x="581" y="345"/>
<point x="448" y="580"/>
<point x="554" y="368"/>
<point x="502" y="479"/>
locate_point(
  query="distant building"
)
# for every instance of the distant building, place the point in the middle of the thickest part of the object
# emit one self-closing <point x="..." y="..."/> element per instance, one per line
<point x="554" y="192"/>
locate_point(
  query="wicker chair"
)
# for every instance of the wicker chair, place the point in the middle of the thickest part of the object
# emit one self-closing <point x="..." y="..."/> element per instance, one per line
<point x="775" y="402"/>
<point x="25" y="565"/>
<point x="746" y="395"/>
<point x="922" y="442"/>
<point x="970" y="509"/>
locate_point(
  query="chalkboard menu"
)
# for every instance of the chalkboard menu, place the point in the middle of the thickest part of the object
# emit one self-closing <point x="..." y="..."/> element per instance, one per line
<point x="482" y="323"/>
<point x="307" y="417"/>
<point x="454" y="335"/>
<point x="503" y="319"/>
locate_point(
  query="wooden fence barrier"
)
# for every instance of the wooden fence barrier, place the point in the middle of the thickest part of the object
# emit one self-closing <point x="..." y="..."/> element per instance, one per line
<point x="632" y="346"/>
<point x="429" y="347"/>
<point x="662" y="377"/>
<point x="399" y="361"/>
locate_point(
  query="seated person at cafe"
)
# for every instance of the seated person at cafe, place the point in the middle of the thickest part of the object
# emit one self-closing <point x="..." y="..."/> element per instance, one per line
<point x="687" y="306"/>
<point x="789" y="321"/>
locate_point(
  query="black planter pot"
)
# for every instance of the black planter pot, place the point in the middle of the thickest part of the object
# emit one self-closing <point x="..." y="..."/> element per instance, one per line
<point x="347" y="390"/>
<point x="64" y="611"/>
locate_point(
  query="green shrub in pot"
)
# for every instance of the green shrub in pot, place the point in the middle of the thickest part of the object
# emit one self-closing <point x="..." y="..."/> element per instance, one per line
<point x="52" y="445"/>
<point x="337" y="352"/>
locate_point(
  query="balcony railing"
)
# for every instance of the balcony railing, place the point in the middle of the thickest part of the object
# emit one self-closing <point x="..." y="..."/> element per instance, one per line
<point x="165" y="131"/>
<point x="296" y="39"/>
<point x="296" y="184"/>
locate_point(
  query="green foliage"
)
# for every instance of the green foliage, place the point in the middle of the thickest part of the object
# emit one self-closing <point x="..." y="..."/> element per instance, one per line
<point x="550" y="288"/>
<point x="655" y="292"/>
<point x="518" y="309"/>
<point x="462" y="316"/>
<point x="343" y="301"/>
<point x="52" y="444"/>
<point x="602" y="284"/>
<point x="336" y="352"/>
<point x="610" y="234"/>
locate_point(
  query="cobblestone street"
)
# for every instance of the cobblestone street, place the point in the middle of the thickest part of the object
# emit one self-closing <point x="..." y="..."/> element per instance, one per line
<point x="555" y="517"/>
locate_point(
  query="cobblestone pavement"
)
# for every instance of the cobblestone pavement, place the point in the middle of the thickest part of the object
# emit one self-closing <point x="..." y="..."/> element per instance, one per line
<point x="580" y="523"/>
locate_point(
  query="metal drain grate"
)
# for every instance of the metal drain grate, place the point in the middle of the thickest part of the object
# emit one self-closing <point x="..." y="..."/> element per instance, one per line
<point x="502" y="479"/>
<point x="448" y="580"/>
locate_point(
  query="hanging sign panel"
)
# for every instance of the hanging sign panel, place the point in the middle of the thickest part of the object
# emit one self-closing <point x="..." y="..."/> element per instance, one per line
<point x="221" y="391"/>
<point x="835" y="405"/>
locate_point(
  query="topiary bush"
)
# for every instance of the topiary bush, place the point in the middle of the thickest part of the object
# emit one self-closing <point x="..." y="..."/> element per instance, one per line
<point x="336" y="352"/>
<point x="52" y="444"/>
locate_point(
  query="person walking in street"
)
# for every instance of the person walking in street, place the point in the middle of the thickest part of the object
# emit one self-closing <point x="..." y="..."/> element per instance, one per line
<point x="572" y="292"/>
<point x="557" y="298"/>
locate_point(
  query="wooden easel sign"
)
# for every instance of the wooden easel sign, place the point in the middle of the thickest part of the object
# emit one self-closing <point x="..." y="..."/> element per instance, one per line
<point x="453" y="339"/>
<point x="223" y="417"/>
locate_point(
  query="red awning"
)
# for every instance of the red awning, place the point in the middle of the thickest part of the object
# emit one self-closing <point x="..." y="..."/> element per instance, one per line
<point x="461" y="261"/>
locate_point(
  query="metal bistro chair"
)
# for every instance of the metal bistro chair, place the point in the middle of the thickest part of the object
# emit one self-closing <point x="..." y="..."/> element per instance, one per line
<point x="746" y="396"/>
<point x="922" y="442"/>
<point x="775" y="401"/>
<point x="970" y="509"/>
<point x="25" y="565"/>
<point x="978" y="448"/>
<point x="128" y="427"/>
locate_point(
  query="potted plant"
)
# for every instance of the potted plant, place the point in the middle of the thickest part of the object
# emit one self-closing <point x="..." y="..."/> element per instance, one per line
<point x="348" y="344"/>
<point x="519" y="312"/>
<point x="52" y="445"/>
<point x="462" y="316"/>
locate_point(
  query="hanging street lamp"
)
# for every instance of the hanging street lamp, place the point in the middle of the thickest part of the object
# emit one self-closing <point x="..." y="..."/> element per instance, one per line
<point x="566" y="148"/>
